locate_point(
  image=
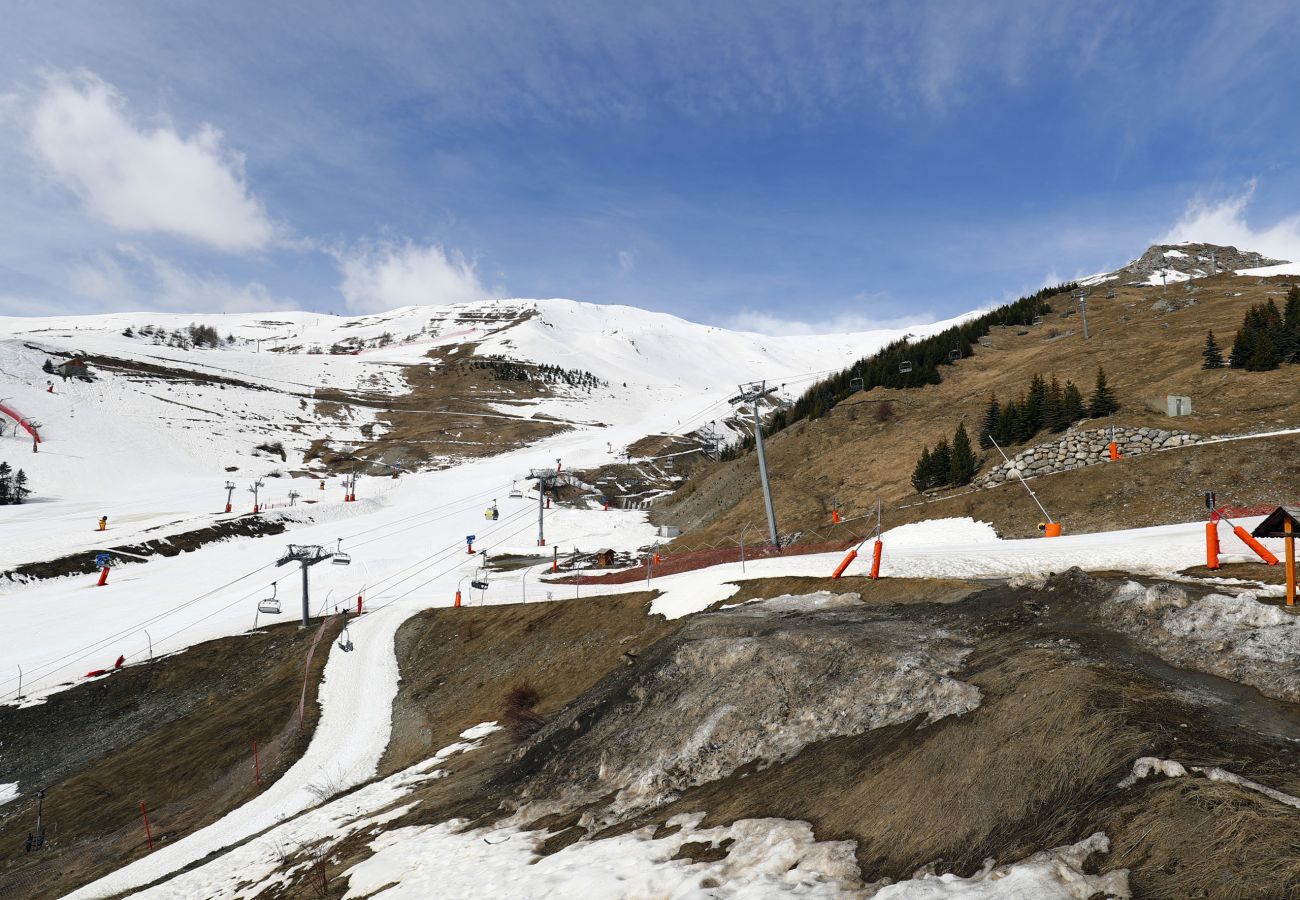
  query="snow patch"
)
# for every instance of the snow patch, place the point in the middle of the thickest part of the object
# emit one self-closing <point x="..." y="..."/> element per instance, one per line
<point x="1146" y="766"/>
<point x="8" y="792"/>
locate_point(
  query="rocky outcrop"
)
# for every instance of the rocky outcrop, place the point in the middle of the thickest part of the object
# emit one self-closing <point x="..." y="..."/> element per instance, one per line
<point x="1076" y="449"/>
<point x="1184" y="261"/>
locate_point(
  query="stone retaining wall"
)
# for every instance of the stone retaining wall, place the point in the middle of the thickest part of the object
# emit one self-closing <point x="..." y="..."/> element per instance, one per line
<point x="1076" y="449"/>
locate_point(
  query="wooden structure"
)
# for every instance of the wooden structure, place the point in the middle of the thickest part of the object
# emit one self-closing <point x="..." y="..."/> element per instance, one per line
<point x="1283" y="522"/>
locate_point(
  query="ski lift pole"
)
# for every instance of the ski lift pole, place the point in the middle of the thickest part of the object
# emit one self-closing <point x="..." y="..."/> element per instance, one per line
<point x="1053" y="529"/>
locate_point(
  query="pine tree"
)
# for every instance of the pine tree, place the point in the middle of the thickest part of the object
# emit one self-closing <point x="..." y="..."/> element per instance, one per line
<point x="1054" y="407"/>
<point x="1072" y="404"/>
<point x="922" y="473"/>
<point x="962" y="460"/>
<point x="1033" y="406"/>
<point x="940" y="463"/>
<point x="48" y="367"/>
<point x="1212" y="355"/>
<point x="1103" y="401"/>
<point x="6" y="483"/>
<point x="1243" y="345"/>
<point x="1289" y="339"/>
<point x="1265" y="354"/>
<point x="989" y="426"/>
<point x="19" y="491"/>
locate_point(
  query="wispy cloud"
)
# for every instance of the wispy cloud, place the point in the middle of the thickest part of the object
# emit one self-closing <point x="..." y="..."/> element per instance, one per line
<point x="626" y="261"/>
<point x="144" y="179"/>
<point x="385" y="275"/>
<point x="842" y="323"/>
<point x="1224" y="221"/>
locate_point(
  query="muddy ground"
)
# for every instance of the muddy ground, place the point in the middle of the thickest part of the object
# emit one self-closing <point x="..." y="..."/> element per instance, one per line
<point x="176" y="734"/>
<point x="1067" y="703"/>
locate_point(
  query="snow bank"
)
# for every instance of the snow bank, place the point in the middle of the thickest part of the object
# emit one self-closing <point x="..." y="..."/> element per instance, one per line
<point x="769" y="857"/>
<point x="1234" y="637"/>
<point x="940" y="532"/>
<point x="261" y="864"/>
<point x="1050" y="875"/>
<point x="8" y="792"/>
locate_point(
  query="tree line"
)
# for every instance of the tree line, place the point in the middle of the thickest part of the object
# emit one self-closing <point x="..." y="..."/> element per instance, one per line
<point x="1268" y="337"/>
<point x="13" y="485"/>
<point x="924" y="358"/>
<point x="1046" y="405"/>
<point x="506" y="369"/>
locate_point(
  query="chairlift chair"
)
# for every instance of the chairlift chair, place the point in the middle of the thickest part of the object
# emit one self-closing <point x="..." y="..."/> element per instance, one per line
<point x="954" y="354"/>
<point x="1038" y="320"/>
<point x="479" y="585"/>
<point x="340" y="558"/>
<point x="904" y="367"/>
<point x="269" y="604"/>
<point x="855" y="385"/>
<point x="515" y="493"/>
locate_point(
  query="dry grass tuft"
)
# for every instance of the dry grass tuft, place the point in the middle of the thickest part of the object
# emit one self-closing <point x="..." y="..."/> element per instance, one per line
<point x="518" y="713"/>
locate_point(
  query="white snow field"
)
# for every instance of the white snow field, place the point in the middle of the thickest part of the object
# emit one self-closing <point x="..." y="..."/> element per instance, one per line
<point x="153" y="457"/>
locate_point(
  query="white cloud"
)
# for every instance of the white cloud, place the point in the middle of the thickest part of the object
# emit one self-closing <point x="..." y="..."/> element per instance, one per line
<point x="386" y="275"/>
<point x="141" y="179"/>
<point x="1224" y="222"/>
<point x="843" y="323"/>
<point x="626" y="261"/>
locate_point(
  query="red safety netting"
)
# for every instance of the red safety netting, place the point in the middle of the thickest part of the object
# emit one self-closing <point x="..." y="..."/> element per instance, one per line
<point x="702" y="559"/>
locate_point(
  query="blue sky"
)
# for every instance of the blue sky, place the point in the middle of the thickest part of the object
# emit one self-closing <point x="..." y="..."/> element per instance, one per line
<point x="778" y="166"/>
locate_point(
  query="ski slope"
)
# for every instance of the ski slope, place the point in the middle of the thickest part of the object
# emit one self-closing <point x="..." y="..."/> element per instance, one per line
<point x="120" y="447"/>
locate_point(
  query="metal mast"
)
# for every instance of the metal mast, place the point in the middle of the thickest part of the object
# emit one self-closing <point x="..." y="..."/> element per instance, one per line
<point x="752" y="393"/>
<point x="306" y="555"/>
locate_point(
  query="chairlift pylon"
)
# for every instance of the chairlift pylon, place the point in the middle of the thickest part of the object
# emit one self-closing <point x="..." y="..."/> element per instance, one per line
<point x="270" y="604"/>
<point x="904" y="367"/>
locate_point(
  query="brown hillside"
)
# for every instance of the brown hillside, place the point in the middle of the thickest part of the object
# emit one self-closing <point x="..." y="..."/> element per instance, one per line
<point x="1149" y="341"/>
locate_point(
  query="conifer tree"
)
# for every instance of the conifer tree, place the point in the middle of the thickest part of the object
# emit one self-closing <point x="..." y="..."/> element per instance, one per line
<point x="1103" y="401"/>
<point x="1212" y="355"/>
<point x="922" y="473"/>
<point x="1054" y="407"/>
<point x="48" y="367"/>
<point x="992" y="416"/>
<point x="1072" y="404"/>
<point x="940" y="463"/>
<point x="1033" y="406"/>
<point x="1289" y="338"/>
<point x="962" y="460"/>
<point x="19" y="491"/>
<point x="6" y="484"/>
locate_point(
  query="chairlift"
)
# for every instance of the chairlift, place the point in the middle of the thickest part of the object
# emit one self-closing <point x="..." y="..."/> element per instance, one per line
<point x="341" y="558"/>
<point x="479" y="585"/>
<point x="904" y="367"/>
<point x="269" y="604"/>
<point x="515" y="493"/>
<point x="855" y="385"/>
<point x="954" y="354"/>
<point x="1038" y="320"/>
<point x="345" y="641"/>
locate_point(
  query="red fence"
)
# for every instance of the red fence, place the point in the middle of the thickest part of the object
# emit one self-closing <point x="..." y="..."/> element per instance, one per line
<point x="702" y="559"/>
<point x="17" y="417"/>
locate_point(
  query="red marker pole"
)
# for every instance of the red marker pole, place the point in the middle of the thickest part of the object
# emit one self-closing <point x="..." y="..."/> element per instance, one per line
<point x="103" y="576"/>
<point x="148" y="835"/>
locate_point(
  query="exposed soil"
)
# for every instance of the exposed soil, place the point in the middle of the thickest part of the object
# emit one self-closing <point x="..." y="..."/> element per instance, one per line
<point x="457" y="665"/>
<point x="176" y="734"/>
<point x="1066" y="706"/>
<point x="83" y="563"/>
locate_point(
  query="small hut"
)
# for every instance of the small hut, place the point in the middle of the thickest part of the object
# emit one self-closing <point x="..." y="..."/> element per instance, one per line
<point x="74" y="368"/>
<point x="1283" y="522"/>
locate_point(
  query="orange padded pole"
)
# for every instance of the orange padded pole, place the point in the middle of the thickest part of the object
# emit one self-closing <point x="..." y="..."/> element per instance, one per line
<point x="875" y="559"/>
<point x="1260" y="550"/>
<point x="845" y="563"/>
<point x="1211" y="545"/>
